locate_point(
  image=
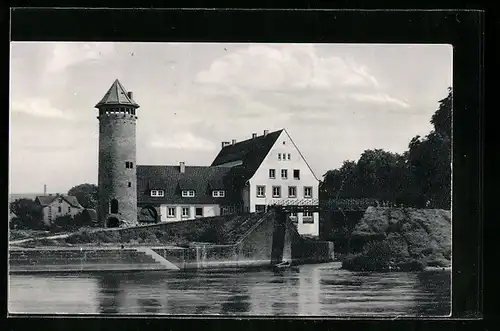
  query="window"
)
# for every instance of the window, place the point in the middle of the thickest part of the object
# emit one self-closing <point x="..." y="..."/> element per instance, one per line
<point x="284" y="173"/>
<point x="157" y="193"/>
<point x="129" y="165"/>
<point x="293" y="217"/>
<point x="187" y="193"/>
<point x="260" y="208"/>
<point x="199" y="212"/>
<point x="59" y="209"/>
<point x="261" y="191"/>
<point x="129" y="184"/>
<point x="218" y="193"/>
<point x="185" y="211"/>
<point x="272" y="173"/>
<point x="307" y="217"/>
<point x="308" y="192"/>
<point x="114" y="206"/>
<point x="289" y="156"/>
<point x="292" y="191"/>
<point x="50" y="213"/>
<point x="171" y="212"/>
<point x="279" y="156"/>
<point x="276" y="191"/>
<point x="296" y="174"/>
<point x="69" y="209"/>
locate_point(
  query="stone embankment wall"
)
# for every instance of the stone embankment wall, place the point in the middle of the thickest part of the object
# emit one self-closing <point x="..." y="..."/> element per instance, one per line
<point x="264" y="242"/>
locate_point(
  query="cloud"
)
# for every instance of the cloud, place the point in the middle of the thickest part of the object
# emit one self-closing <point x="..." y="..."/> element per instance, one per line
<point x="65" y="55"/>
<point x="39" y="107"/>
<point x="379" y="98"/>
<point x="262" y="67"/>
<point x="271" y="79"/>
<point x="186" y="141"/>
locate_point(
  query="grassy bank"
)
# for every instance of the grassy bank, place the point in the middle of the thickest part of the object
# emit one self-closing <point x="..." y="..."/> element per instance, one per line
<point x="401" y="239"/>
<point x="215" y="230"/>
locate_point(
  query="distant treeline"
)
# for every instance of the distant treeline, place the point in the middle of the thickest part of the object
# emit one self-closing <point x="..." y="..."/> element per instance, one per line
<point x="420" y="177"/>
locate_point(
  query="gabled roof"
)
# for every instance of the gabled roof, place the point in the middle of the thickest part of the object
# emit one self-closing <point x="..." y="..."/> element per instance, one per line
<point x="45" y="200"/>
<point x="169" y="179"/>
<point x="251" y="152"/>
<point x="117" y="95"/>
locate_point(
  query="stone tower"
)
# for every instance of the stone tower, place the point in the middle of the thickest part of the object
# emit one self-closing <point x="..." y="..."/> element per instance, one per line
<point x="117" y="153"/>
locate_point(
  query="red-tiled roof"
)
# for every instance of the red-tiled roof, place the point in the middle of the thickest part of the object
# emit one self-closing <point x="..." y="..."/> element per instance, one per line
<point x="251" y="152"/>
<point x="201" y="179"/>
<point x="117" y="95"/>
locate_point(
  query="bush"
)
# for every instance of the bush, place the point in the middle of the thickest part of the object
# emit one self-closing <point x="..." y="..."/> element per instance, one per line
<point x="411" y="265"/>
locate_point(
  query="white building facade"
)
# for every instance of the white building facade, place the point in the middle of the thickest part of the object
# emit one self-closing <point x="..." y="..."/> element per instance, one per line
<point x="284" y="175"/>
<point x="280" y="176"/>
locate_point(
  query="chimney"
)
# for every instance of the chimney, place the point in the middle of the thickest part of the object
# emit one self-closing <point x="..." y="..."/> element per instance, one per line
<point x="44" y="189"/>
<point x="182" y="167"/>
<point x="233" y="141"/>
<point x="130" y="95"/>
<point x="254" y="135"/>
<point x="224" y="144"/>
<point x="266" y="132"/>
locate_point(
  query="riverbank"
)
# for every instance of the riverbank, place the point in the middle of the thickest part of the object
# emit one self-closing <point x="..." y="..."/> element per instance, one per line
<point x="233" y="241"/>
<point x="400" y="239"/>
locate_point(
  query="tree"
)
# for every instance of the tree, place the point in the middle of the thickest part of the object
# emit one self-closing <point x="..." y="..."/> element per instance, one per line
<point x="420" y="177"/>
<point x="86" y="194"/>
<point x="29" y="213"/>
<point x="430" y="159"/>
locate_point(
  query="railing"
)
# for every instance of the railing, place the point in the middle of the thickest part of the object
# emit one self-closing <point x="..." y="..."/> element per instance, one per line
<point x="314" y="205"/>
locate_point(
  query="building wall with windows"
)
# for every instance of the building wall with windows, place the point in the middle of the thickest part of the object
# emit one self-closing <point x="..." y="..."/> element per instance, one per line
<point x="58" y="207"/>
<point x="291" y="175"/>
<point x="180" y="212"/>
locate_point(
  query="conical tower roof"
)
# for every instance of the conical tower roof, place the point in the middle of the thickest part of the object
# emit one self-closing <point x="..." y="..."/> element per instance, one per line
<point x="117" y="95"/>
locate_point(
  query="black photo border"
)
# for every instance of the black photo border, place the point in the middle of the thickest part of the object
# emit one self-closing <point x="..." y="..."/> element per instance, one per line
<point x="462" y="29"/>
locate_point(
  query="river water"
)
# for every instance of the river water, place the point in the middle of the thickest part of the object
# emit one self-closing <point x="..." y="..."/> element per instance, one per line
<point x="309" y="290"/>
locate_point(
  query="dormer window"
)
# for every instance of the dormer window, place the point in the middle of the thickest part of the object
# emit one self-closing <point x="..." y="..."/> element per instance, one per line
<point x="188" y="193"/>
<point x="218" y="193"/>
<point x="157" y="193"/>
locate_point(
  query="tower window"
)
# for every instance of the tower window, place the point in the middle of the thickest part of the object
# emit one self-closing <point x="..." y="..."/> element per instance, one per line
<point x="129" y="184"/>
<point x="114" y="206"/>
<point x="129" y="165"/>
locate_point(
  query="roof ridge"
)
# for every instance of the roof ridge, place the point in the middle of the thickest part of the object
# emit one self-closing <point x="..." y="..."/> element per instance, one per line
<point x="251" y="139"/>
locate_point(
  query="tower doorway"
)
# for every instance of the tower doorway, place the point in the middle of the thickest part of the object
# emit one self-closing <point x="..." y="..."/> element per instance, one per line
<point x="112" y="222"/>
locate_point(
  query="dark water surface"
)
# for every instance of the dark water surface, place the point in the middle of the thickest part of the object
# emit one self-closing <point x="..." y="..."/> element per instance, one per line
<point x="311" y="290"/>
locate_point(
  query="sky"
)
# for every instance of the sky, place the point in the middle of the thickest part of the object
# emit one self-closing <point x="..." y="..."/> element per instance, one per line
<point x="335" y="101"/>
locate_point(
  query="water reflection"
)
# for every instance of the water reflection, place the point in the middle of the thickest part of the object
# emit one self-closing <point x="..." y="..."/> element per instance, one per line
<point x="312" y="290"/>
